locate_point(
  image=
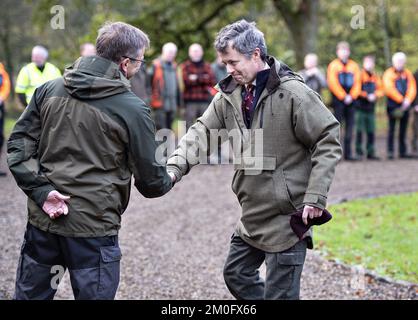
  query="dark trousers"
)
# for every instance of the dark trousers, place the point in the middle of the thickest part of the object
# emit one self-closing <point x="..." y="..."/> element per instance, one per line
<point x="194" y="110"/>
<point x="283" y="271"/>
<point x="403" y="125"/>
<point x="415" y="133"/>
<point x="2" y="119"/>
<point x="93" y="263"/>
<point x="365" y="124"/>
<point x="163" y="119"/>
<point x="346" y="114"/>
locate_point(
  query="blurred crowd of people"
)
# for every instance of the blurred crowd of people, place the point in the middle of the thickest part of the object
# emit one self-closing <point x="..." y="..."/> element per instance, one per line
<point x="355" y="92"/>
<point x="184" y="91"/>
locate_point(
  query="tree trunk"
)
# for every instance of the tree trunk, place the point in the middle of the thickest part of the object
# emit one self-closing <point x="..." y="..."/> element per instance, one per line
<point x="302" y="24"/>
<point x="383" y="15"/>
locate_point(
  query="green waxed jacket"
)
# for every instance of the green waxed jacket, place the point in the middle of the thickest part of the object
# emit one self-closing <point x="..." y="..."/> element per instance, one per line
<point x="300" y="150"/>
<point x="85" y="135"/>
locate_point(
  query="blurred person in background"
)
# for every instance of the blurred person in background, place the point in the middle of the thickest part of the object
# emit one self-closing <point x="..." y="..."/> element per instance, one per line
<point x="198" y="80"/>
<point x="4" y="94"/>
<point x="35" y="74"/>
<point x="400" y="89"/>
<point x="314" y="78"/>
<point x="219" y="68"/>
<point x="165" y="89"/>
<point x="344" y="82"/>
<point x="371" y="90"/>
<point x="87" y="49"/>
<point x="415" y="122"/>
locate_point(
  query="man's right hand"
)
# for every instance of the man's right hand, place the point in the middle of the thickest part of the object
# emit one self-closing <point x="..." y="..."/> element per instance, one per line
<point x="172" y="176"/>
<point x="405" y="104"/>
<point x="371" y="97"/>
<point x="55" y="205"/>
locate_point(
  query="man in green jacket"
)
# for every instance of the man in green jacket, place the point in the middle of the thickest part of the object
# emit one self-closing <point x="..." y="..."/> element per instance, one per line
<point x="73" y="152"/>
<point x="286" y="146"/>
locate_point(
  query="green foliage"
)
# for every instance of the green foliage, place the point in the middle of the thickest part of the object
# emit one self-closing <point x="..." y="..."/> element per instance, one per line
<point x="27" y="23"/>
<point x="380" y="234"/>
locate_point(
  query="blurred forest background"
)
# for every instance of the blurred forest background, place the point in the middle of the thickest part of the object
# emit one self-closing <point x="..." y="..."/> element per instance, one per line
<point x="292" y="27"/>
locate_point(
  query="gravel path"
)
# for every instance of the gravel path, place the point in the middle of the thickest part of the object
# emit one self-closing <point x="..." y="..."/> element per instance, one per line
<point x="174" y="247"/>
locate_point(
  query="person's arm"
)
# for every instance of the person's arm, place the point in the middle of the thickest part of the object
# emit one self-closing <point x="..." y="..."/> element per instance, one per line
<point x="322" y="79"/>
<point x="333" y="82"/>
<point x="149" y="76"/>
<point x="316" y="127"/>
<point x="196" y="143"/>
<point x="390" y="88"/>
<point x="22" y="84"/>
<point x="411" y="92"/>
<point x="415" y="103"/>
<point x="5" y="87"/>
<point x="189" y="79"/>
<point x="151" y="177"/>
<point x="22" y="152"/>
<point x="208" y="77"/>
<point x="379" y="87"/>
<point x="356" y="89"/>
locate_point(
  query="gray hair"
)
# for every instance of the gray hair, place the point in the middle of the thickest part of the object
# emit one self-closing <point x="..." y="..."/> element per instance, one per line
<point x="119" y="39"/>
<point x="41" y="50"/>
<point x="242" y="36"/>
<point x="398" y="56"/>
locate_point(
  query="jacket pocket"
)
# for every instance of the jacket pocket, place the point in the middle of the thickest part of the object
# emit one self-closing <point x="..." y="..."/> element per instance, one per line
<point x="284" y="202"/>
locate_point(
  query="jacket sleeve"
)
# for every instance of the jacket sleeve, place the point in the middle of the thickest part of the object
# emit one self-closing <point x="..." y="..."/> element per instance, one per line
<point x="416" y="83"/>
<point x="390" y="88"/>
<point x="333" y="82"/>
<point x="22" y="81"/>
<point x="412" y="87"/>
<point x="208" y="77"/>
<point x="379" y="87"/>
<point x="195" y="145"/>
<point x="151" y="177"/>
<point x="316" y="127"/>
<point x="5" y="87"/>
<point x="356" y="89"/>
<point x="22" y="152"/>
<point x="186" y="79"/>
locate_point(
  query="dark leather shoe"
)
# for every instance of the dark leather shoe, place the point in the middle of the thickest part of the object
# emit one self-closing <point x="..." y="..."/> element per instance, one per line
<point x="373" y="157"/>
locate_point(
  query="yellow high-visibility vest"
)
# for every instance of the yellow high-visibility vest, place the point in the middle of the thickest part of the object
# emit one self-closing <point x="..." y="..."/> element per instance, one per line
<point x="30" y="78"/>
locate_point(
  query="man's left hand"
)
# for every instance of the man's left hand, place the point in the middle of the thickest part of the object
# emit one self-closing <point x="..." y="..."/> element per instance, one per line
<point x="311" y="212"/>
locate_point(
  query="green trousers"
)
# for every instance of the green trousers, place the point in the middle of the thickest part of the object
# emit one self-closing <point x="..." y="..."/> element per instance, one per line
<point x="365" y="125"/>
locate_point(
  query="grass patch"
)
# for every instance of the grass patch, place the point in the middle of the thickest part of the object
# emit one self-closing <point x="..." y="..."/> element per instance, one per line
<point x="381" y="234"/>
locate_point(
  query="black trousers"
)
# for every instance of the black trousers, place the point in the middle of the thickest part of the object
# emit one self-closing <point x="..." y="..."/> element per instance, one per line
<point x="2" y="119"/>
<point x="93" y="263"/>
<point x="346" y="114"/>
<point x="403" y="126"/>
